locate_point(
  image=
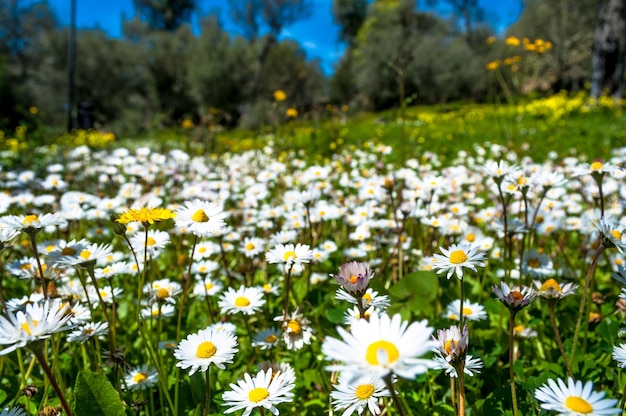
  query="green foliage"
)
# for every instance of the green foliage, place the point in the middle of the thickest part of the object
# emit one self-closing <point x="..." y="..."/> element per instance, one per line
<point x="95" y="396"/>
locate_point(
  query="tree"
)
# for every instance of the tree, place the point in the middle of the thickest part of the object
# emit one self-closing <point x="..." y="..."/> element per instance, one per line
<point x="272" y="15"/>
<point x="608" y="49"/>
<point x="166" y="15"/>
<point x="349" y="15"/>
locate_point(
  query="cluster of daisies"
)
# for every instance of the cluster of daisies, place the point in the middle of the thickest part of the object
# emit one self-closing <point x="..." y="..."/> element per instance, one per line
<point x="238" y="244"/>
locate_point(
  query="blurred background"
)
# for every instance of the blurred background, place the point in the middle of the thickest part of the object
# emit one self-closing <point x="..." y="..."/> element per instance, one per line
<point x="136" y="66"/>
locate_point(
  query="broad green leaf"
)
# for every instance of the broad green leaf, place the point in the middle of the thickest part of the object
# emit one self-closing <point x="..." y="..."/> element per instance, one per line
<point x="95" y="396"/>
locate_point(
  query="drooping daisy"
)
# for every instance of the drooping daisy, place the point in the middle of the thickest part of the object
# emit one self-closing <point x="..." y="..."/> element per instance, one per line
<point x="471" y="311"/>
<point x="264" y="390"/>
<point x="297" y="330"/>
<point x="208" y="346"/>
<point x="612" y="234"/>
<point x="246" y="300"/>
<point x="458" y="256"/>
<point x="202" y="218"/>
<point x="141" y="378"/>
<point x="356" y="395"/>
<point x="574" y="399"/>
<point x="381" y="346"/>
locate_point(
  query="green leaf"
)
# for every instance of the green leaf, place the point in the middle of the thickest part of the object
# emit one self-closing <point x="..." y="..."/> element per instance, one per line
<point x="95" y="396"/>
<point x="334" y="315"/>
<point x="416" y="291"/>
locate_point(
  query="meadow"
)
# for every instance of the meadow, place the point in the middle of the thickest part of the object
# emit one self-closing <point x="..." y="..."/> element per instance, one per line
<point x="443" y="260"/>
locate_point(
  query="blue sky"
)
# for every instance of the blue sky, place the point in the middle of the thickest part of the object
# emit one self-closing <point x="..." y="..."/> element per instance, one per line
<point x="317" y="34"/>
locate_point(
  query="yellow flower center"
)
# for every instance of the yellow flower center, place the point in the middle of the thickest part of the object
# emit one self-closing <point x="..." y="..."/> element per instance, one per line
<point x="471" y="237"/>
<point x="271" y="338"/>
<point x="200" y="216"/>
<point x="242" y="302"/>
<point x="295" y="327"/>
<point x="258" y="394"/>
<point x="353" y="279"/>
<point x="364" y="391"/>
<point x="517" y="295"/>
<point x="26" y="328"/>
<point x="208" y="286"/>
<point x="596" y="166"/>
<point x="206" y="349"/>
<point x="151" y="241"/>
<point x="533" y="263"/>
<point x="550" y="285"/>
<point x="250" y="247"/>
<point x="367" y="299"/>
<point x="467" y="311"/>
<point x="617" y="234"/>
<point x="162" y="293"/>
<point x="85" y="254"/>
<point x="30" y="219"/>
<point x="68" y="251"/>
<point x="578" y="404"/>
<point x="458" y="257"/>
<point x="381" y="349"/>
<point x="289" y="255"/>
<point x="140" y="377"/>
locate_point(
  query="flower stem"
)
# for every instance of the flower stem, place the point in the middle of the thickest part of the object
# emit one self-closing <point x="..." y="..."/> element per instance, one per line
<point x="511" y="362"/>
<point x="185" y="290"/>
<point x="44" y="285"/>
<point x="207" y="403"/>
<point x="461" y="308"/>
<point x="394" y="395"/>
<point x="461" y="373"/>
<point x="581" y="309"/>
<point x="557" y="335"/>
<point x="38" y="351"/>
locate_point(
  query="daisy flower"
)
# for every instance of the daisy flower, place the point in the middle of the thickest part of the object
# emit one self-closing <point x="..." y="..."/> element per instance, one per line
<point x="458" y="256"/>
<point x="87" y="257"/>
<point x="207" y="287"/>
<point x="381" y="346"/>
<point x="154" y="310"/>
<point x="574" y="398"/>
<point x="36" y="322"/>
<point x="208" y="346"/>
<point x="267" y="338"/>
<point x="354" y="277"/>
<point x="141" y="378"/>
<point x="619" y="355"/>
<point x="88" y="331"/>
<point x="612" y="236"/>
<point x="551" y="289"/>
<point x="261" y="391"/>
<point x="471" y="311"/>
<point x="297" y="330"/>
<point x="30" y="224"/>
<point x="13" y="411"/>
<point x="246" y="300"/>
<point x="252" y="246"/>
<point x="356" y="395"/>
<point x="289" y="254"/>
<point x="163" y="290"/>
<point x="202" y="218"/>
<point x="515" y="297"/>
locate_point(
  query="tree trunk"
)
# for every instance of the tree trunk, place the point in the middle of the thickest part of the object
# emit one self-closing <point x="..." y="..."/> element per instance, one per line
<point x="608" y="50"/>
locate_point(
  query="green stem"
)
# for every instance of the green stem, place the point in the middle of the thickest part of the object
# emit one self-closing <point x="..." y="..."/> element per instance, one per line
<point x="394" y="395"/>
<point x="38" y="351"/>
<point x="511" y="361"/>
<point x="581" y="309"/>
<point x="207" y="403"/>
<point x="44" y="285"/>
<point x="557" y="335"/>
